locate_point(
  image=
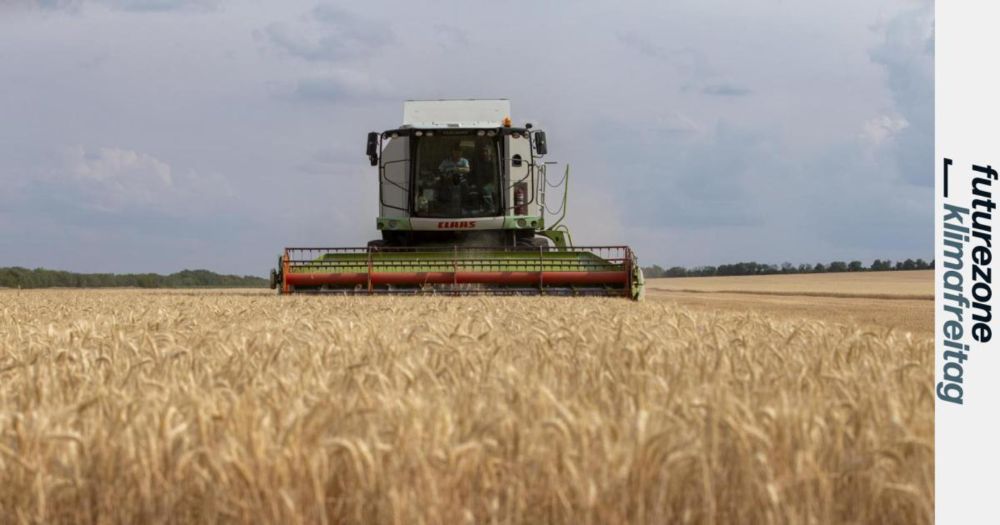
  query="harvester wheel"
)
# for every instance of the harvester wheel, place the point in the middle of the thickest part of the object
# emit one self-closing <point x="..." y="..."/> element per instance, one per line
<point x="274" y="279"/>
<point x="638" y="284"/>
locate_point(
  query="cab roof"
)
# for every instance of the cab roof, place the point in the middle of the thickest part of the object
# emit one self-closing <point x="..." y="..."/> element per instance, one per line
<point x="443" y="114"/>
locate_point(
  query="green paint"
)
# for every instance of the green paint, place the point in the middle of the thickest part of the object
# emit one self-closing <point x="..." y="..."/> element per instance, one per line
<point x="393" y="223"/>
<point x="638" y="283"/>
<point x="558" y="238"/>
<point x="531" y="222"/>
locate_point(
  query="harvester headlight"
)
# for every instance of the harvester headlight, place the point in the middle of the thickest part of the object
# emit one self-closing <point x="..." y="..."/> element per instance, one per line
<point x="430" y="133"/>
<point x="418" y="133"/>
<point x="521" y="223"/>
<point x="395" y="135"/>
<point x="480" y="133"/>
<point x="516" y="135"/>
<point x="491" y="133"/>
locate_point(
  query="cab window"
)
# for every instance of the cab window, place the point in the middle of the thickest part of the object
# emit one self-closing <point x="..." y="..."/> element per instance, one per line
<point x="457" y="176"/>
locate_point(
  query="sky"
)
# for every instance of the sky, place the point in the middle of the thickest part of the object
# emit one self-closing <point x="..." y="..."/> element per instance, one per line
<point x="159" y="135"/>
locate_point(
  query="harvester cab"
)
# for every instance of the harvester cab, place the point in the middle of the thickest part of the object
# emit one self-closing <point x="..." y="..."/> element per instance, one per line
<point x="463" y="210"/>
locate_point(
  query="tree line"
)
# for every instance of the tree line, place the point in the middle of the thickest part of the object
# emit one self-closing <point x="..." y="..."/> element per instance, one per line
<point x="17" y="277"/>
<point x="755" y="268"/>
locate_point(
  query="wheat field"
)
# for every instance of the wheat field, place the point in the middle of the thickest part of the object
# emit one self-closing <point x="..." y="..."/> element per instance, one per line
<point x="901" y="300"/>
<point x="911" y="284"/>
<point x="204" y="407"/>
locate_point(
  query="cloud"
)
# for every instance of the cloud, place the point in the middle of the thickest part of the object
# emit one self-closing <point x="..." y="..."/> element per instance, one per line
<point x="119" y="209"/>
<point x="689" y="63"/>
<point x="872" y="214"/>
<point x="882" y="127"/>
<point x="163" y="5"/>
<point x="786" y="138"/>
<point x="337" y="160"/>
<point x="642" y="45"/>
<point x="906" y="53"/>
<point x="40" y="4"/>
<point x="695" y="179"/>
<point x="115" y="178"/>
<point x="329" y="34"/>
<point x="449" y="36"/>
<point x="730" y="193"/>
<point x="118" y="180"/>
<point x="675" y="123"/>
<point x="128" y="5"/>
<point x="725" y="90"/>
<point x="332" y="42"/>
<point x="340" y="85"/>
<point x="114" y="164"/>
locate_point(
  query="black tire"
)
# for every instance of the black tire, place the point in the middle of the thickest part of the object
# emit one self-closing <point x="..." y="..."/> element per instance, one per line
<point x="392" y="238"/>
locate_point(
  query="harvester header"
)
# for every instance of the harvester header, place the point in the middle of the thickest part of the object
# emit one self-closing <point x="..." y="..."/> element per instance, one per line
<point x="466" y="206"/>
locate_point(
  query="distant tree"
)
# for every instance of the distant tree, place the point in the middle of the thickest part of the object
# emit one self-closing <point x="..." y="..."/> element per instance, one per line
<point x="653" y="271"/>
<point x="741" y="268"/>
<point x="204" y="278"/>
<point x="41" y="278"/>
<point x="705" y="271"/>
<point x="880" y="266"/>
<point x="676" y="271"/>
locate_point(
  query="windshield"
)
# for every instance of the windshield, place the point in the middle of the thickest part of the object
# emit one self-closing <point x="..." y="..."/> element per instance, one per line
<point x="457" y="176"/>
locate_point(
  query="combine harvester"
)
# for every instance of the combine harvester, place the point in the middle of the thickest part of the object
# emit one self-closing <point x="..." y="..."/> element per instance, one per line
<point x="462" y="197"/>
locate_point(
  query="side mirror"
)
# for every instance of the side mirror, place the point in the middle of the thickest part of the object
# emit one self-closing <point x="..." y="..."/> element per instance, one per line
<point x="541" y="146"/>
<point x="372" y="150"/>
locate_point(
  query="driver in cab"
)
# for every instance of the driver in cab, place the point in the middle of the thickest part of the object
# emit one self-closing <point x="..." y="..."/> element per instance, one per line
<point x="454" y="170"/>
<point x="456" y="164"/>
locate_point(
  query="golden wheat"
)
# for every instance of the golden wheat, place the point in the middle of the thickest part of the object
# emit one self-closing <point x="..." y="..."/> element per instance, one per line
<point x="156" y="407"/>
<point x="915" y="284"/>
<point x="900" y="300"/>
